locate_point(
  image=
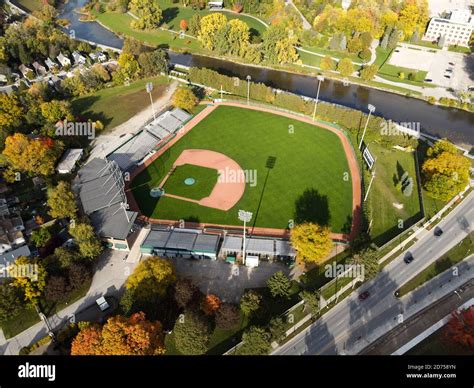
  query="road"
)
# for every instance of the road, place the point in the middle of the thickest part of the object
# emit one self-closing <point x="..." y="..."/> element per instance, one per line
<point x="352" y="325"/>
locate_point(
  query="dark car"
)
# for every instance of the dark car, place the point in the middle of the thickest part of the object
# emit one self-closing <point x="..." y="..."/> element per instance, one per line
<point x="408" y="258"/>
<point x="438" y="231"/>
<point x="364" y="295"/>
<point x="428" y="80"/>
<point x="451" y="63"/>
<point x="447" y="76"/>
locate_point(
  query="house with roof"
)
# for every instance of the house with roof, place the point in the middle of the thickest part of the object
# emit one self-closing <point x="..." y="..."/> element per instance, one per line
<point x="68" y="161"/>
<point x="39" y="68"/>
<point x="100" y="188"/>
<point x="63" y="60"/>
<point x="101" y="56"/>
<point x="6" y="259"/>
<point x="25" y="70"/>
<point x="79" y="59"/>
<point x="51" y="64"/>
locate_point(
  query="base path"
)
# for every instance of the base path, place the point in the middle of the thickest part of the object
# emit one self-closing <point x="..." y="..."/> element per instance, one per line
<point x="349" y="151"/>
<point x="225" y="194"/>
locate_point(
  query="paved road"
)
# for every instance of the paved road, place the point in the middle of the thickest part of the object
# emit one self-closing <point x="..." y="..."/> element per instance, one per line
<point x="352" y="325"/>
<point x="111" y="273"/>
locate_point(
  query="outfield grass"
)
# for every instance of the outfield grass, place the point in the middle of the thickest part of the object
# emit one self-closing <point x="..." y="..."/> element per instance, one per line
<point x="115" y="105"/>
<point x="205" y="180"/>
<point x="448" y="260"/>
<point x="390" y="166"/>
<point x="306" y="181"/>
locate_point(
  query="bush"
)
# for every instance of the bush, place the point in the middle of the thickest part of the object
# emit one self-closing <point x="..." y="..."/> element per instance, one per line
<point x="365" y="54"/>
<point x="227" y="317"/>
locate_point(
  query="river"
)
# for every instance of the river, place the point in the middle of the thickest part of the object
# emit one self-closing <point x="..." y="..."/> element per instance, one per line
<point x="455" y="124"/>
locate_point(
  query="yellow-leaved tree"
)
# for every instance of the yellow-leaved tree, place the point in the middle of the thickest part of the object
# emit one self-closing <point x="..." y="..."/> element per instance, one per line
<point x="312" y="242"/>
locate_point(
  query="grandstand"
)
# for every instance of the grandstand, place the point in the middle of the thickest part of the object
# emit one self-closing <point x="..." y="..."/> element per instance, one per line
<point x="138" y="147"/>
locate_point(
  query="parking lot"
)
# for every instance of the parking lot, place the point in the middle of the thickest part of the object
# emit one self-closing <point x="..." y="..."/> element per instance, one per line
<point x="436" y="63"/>
<point x="225" y="280"/>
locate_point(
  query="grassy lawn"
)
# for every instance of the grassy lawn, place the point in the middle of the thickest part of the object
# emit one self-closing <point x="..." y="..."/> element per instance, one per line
<point x="460" y="49"/>
<point x="32" y="5"/>
<point x="335" y="54"/>
<point x="115" y="105"/>
<point x="450" y="258"/>
<point x="205" y="180"/>
<point x="28" y="316"/>
<point x="391" y="165"/>
<point x="331" y="290"/>
<point x="290" y="185"/>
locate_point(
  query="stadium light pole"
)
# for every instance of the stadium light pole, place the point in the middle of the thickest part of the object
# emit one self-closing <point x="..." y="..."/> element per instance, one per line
<point x="370" y="185"/>
<point x="371" y="110"/>
<point x="149" y="88"/>
<point x="320" y="79"/>
<point x="244" y="216"/>
<point x="248" y="89"/>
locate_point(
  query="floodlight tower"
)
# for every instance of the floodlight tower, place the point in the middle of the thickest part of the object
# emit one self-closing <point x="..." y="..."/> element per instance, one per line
<point x="244" y="216"/>
<point x="320" y="79"/>
<point x="149" y="88"/>
<point x="371" y="110"/>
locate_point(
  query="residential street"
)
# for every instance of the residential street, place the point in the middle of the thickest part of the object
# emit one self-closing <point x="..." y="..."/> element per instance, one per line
<point x="352" y="325"/>
<point x="112" y="270"/>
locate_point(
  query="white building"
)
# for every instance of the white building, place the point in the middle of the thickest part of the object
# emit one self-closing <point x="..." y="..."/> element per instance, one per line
<point x="68" y="162"/>
<point x="456" y="30"/>
<point x="63" y="60"/>
<point x="346" y="4"/>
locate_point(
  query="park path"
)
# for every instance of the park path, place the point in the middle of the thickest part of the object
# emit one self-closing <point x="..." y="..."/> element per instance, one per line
<point x="349" y="151"/>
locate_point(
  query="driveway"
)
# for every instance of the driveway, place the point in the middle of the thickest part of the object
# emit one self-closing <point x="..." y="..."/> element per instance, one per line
<point x="225" y="280"/>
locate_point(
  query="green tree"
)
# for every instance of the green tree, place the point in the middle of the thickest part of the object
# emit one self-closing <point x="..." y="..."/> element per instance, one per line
<point x="327" y="63"/>
<point x="129" y="69"/>
<point x="192" y="332"/>
<point x="345" y="67"/>
<point x="312" y="242"/>
<point x="311" y="299"/>
<point x="250" y="302"/>
<point x="61" y="201"/>
<point x="279" y="285"/>
<point x="184" y="99"/>
<point x="10" y="302"/>
<point x="86" y="239"/>
<point x="153" y="63"/>
<point x="148" y="12"/>
<point x="40" y="236"/>
<point x="194" y="25"/>
<point x="277" y="328"/>
<point x="368" y="72"/>
<point x="368" y="260"/>
<point x="255" y="341"/>
<point x="227" y="317"/>
<point x="279" y="44"/>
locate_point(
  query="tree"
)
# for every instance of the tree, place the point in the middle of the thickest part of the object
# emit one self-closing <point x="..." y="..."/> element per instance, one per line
<point x="368" y="260"/>
<point x="250" y="302"/>
<point x="345" y="67"/>
<point x="460" y="327"/>
<point x="133" y="336"/>
<point x="445" y="172"/>
<point x="11" y="111"/>
<point x="393" y="39"/>
<point x="279" y="44"/>
<point x="210" y="25"/>
<point x="279" y="285"/>
<point x="368" y="72"/>
<point x="183" y="25"/>
<point x="365" y="54"/>
<point x="10" y="302"/>
<point x="33" y="283"/>
<point x="312" y="242"/>
<point x="195" y="25"/>
<point x="56" y="288"/>
<point x="129" y="69"/>
<point x="56" y="110"/>
<point x="148" y="12"/>
<point x="210" y="304"/>
<point x="152" y="276"/>
<point x="277" y="329"/>
<point x="191" y="333"/>
<point x="78" y="275"/>
<point x="185" y="291"/>
<point x="85" y="238"/>
<point x="255" y="341"/>
<point x="61" y="201"/>
<point x="40" y="236"/>
<point x="34" y="156"/>
<point x="327" y="63"/>
<point x="227" y="316"/>
<point x="153" y="63"/>
<point x="354" y="45"/>
<point x="101" y="72"/>
<point x="184" y="99"/>
<point x="311" y="299"/>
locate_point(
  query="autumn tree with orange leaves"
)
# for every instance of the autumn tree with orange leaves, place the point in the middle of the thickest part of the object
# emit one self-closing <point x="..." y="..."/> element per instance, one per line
<point x="121" y="336"/>
<point x="210" y="304"/>
<point x="460" y="327"/>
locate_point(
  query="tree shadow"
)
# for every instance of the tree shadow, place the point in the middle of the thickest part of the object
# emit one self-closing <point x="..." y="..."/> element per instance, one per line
<point x="312" y="207"/>
<point x="269" y="165"/>
<point x="169" y="15"/>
